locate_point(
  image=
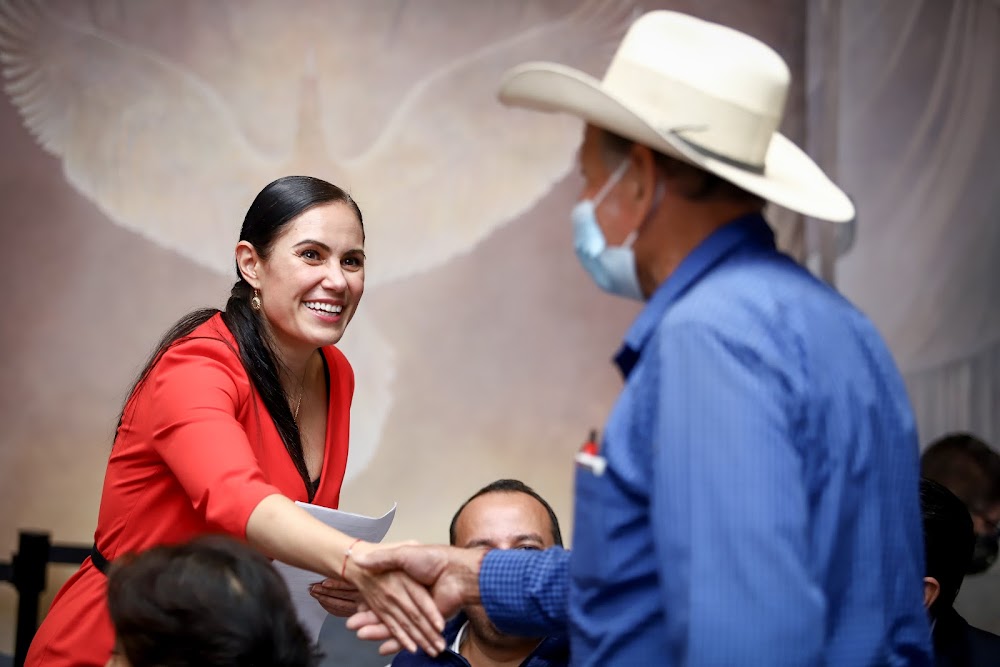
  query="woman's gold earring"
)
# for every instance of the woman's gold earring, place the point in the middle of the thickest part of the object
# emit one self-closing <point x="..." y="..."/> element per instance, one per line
<point x="255" y="301"/>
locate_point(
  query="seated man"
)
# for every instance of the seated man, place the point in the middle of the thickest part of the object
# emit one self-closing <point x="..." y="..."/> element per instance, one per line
<point x="506" y="514"/>
<point x="948" y="542"/>
<point x="213" y="602"/>
<point x="970" y="469"/>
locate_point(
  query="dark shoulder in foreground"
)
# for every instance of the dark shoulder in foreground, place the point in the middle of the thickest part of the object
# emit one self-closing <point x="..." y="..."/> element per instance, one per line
<point x="958" y="644"/>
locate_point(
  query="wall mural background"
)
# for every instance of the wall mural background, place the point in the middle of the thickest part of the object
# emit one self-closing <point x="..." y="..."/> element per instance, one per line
<point x="133" y="136"/>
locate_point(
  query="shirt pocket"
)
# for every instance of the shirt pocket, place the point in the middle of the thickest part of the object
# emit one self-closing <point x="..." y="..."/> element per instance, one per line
<point x="592" y="501"/>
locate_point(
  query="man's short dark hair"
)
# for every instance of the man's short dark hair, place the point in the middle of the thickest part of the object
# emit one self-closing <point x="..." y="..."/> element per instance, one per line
<point x="509" y="486"/>
<point x="948" y="540"/>
<point x="694" y="183"/>
<point x="967" y="466"/>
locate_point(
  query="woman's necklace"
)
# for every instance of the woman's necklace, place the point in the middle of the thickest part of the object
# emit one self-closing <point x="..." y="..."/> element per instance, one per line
<point x="298" y="402"/>
<point x="302" y="391"/>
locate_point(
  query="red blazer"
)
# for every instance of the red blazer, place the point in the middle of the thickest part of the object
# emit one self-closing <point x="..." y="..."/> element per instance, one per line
<point x="195" y="453"/>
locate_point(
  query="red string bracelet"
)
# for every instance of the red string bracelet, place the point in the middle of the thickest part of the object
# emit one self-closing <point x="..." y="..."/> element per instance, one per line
<point x="347" y="554"/>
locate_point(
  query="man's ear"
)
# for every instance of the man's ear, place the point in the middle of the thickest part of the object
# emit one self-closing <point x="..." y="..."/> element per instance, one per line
<point x="932" y="589"/>
<point x="640" y="182"/>
<point x="248" y="262"/>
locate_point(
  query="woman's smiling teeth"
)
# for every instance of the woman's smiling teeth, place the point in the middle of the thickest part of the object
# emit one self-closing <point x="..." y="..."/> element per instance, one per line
<point x="323" y="307"/>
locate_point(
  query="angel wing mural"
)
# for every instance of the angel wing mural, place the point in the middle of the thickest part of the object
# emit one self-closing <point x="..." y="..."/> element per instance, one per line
<point x="393" y="100"/>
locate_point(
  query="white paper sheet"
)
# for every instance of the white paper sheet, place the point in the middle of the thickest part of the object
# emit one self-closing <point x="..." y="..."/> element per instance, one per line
<point x="370" y="529"/>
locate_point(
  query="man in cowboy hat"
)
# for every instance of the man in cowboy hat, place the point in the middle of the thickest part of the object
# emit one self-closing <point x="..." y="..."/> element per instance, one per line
<point x="754" y="498"/>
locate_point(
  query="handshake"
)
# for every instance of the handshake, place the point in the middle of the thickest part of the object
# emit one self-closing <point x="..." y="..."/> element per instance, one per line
<point x="401" y="594"/>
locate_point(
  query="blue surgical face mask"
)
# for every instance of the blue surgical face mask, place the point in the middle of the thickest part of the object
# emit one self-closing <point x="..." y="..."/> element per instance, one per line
<point x="611" y="267"/>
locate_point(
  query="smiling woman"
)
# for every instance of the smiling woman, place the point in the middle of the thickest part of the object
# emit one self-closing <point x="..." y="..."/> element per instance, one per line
<point x="239" y="413"/>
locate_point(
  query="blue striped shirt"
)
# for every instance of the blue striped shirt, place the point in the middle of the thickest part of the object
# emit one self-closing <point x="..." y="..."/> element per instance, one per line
<point x="759" y="504"/>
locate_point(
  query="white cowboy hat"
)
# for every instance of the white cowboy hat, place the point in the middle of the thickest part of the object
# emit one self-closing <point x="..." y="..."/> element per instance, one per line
<point x="697" y="91"/>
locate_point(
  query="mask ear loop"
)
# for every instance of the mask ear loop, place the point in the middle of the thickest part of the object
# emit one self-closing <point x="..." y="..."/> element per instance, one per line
<point x="616" y="176"/>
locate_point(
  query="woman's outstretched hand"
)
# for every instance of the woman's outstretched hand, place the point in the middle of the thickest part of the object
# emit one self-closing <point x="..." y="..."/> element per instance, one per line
<point x="404" y="606"/>
<point x="449" y="573"/>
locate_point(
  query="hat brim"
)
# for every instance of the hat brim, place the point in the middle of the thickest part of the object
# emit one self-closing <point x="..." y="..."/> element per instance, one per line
<point x="790" y="178"/>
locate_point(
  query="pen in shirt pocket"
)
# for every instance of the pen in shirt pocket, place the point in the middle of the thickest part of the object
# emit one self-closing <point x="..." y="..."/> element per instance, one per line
<point x="589" y="455"/>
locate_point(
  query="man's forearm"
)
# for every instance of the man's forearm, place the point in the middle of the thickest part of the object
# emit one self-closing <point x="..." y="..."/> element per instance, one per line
<point x="526" y="592"/>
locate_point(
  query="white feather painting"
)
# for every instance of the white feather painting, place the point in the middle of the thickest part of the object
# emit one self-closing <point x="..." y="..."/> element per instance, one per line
<point x="394" y="100"/>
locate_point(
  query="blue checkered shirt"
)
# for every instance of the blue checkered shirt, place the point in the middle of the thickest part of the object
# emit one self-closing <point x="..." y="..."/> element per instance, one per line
<point x="759" y="505"/>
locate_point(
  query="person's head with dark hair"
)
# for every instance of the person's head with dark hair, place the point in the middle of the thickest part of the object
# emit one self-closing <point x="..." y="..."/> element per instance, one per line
<point x="691" y="182"/>
<point x="284" y="199"/>
<point x="300" y="268"/>
<point x="948" y="544"/>
<point x="506" y="514"/>
<point x="970" y="469"/>
<point x="510" y="486"/>
<point x="213" y="602"/>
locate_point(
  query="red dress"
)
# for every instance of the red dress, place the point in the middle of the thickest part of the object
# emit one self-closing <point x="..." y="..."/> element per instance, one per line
<point x="196" y="452"/>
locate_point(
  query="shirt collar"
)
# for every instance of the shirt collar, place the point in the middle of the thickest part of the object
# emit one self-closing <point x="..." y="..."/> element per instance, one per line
<point x="553" y="648"/>
<point x="707" y="254"/>
<point x="456" y="645"/>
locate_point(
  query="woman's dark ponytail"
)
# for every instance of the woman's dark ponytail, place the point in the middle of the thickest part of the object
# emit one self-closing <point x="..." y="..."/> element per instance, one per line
<point x="273" y="208"/>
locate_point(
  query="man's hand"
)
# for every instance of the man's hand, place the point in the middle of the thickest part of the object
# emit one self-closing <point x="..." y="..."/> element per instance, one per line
<point x="451" y="574"/>
<point x="368" y="626"/>
<point x="336" y="596"/>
